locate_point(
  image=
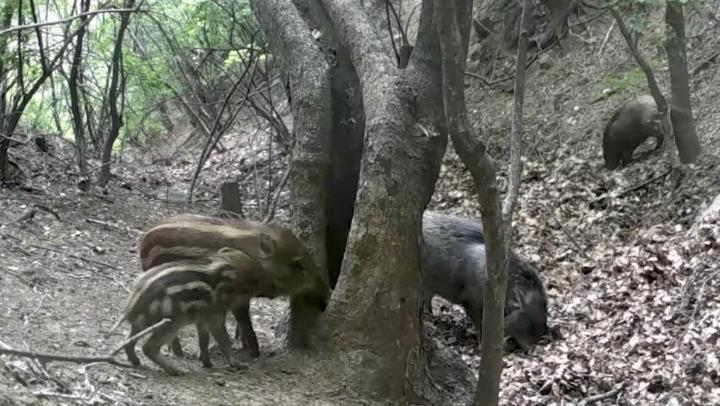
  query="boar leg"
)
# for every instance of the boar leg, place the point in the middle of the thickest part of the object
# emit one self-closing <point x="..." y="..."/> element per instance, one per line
<point x="204" y="343"/>
<point x="130" y="347"/>
<point x="176" y="347"/>
<point x="244" y="328"/>
<point x="216" y="324"/>
<point x="157" y="339"/>
<point x="474" y="311"/>
<point x="428" y="302"/>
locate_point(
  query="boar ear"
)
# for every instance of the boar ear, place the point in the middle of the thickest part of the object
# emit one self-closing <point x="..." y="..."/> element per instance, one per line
<point x="267" y="245"/>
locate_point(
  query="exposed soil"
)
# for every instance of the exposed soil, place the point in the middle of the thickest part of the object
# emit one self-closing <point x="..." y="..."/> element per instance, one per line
<point x="632" y="275"/>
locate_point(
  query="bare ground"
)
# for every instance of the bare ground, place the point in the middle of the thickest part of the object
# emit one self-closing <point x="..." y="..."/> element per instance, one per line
<point x="633" y="277"/>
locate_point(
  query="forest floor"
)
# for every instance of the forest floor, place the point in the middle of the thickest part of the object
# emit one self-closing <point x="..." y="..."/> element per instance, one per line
<point x="632" y="271"/>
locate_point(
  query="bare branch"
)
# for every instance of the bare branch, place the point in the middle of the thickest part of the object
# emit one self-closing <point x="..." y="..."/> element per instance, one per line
<point x="72" y="18"/>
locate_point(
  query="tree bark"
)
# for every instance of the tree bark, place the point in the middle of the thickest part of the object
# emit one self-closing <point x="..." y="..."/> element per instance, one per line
<point x="5" y="60"/>
<point x="73" y="80"/>
<point x="452" y="24"/>
<point x="346" y="143"/>
<point x="516" y="125"/>
<point x="380" y="284"/>
<point x="681" y="114"/>
<point x="115" y="88"/>
<point x="308" y="74"/>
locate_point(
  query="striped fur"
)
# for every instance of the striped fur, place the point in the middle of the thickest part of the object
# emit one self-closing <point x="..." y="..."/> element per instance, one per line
<point x="277" y="249"/>
<point x="191" y="291"/>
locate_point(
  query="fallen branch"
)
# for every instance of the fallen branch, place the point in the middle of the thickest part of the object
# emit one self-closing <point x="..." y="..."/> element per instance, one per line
<point x="601" y="396"/>
<point x="643" y="184"/>
<point x="33" y="211"/>
<point x="94" y="261"/>
<point x="107" y="224"/>
<point x="63" y="358"/>
<point x="705" y="63"/>
<point x="5" y="349"/>
<point x="139" y="335"/>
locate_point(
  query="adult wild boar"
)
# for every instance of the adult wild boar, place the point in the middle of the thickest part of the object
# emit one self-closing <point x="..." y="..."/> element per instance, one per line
<point x="630" y="125"/>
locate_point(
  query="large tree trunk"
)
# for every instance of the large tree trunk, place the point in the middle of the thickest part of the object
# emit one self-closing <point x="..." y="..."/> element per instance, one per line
<point x="686" y="138"/>
<point x="308" y="76"/>
<point x="405" y="136"/>
<point x="380" y="284"/>
<point x="346" y="142"/>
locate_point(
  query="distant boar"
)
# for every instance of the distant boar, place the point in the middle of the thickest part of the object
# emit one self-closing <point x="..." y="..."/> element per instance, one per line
<point x="633" y="123"/>
<point x="193" y="236"/>
<point x="454" y="267"/>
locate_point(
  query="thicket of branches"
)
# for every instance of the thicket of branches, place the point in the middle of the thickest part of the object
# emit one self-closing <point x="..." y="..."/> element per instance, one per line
<point x="130" y="72"/>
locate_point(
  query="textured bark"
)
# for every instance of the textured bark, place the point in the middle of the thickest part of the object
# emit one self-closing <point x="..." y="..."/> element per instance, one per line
<point x="5" y="60"/>
<point x="516" y="125"/>
<point x="401" y="112"/>
<point x="681" y="114"/>
<point x="73" y="83"/>
<point x="114" y="92"/>
<point x="452" y="25"/>
<point x="380" y="284"/>
<point x="348" y="127"/>
<point x="308" y="75"/>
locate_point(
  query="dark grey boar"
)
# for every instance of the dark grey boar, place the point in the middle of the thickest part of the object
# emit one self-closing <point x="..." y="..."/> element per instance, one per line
<point x="630" y="125"/>
<point x="453" y="264"/>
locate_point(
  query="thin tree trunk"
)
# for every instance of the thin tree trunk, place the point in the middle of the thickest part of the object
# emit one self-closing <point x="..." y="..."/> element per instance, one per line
<point x="116" y="120"/>
<point x="686" y="138"/>
<point x="662" y="105"/>
<point x="56" y="107"/>
<point x="516" y="126"/>
<point x="5" y="60"/>
<point x="452" y="23"/>
<point x="75" y="70"/>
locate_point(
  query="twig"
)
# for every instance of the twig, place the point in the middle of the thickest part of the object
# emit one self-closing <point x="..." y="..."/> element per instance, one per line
<point x="63" y="358"/>
<point x="69" y="19"/>
<point x="573" y="240"/>
<point x="3" y="235"/>
<point x="97" y="196"/>
<point x="33" y="211"/>
<point x="48" y="210"/>
<point x="94" y="261"/>
<point x="273" y="206"/>
<point x="140" y="334"/>
<point x="643" y="184"/>
<point x="705" y="63"/>
<point x="601" y="396"/>
<point x="103" y="223"/>
<point x="530" y="61"/>
<point x="35" y="310"/>
<point x="607" y="38"/>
